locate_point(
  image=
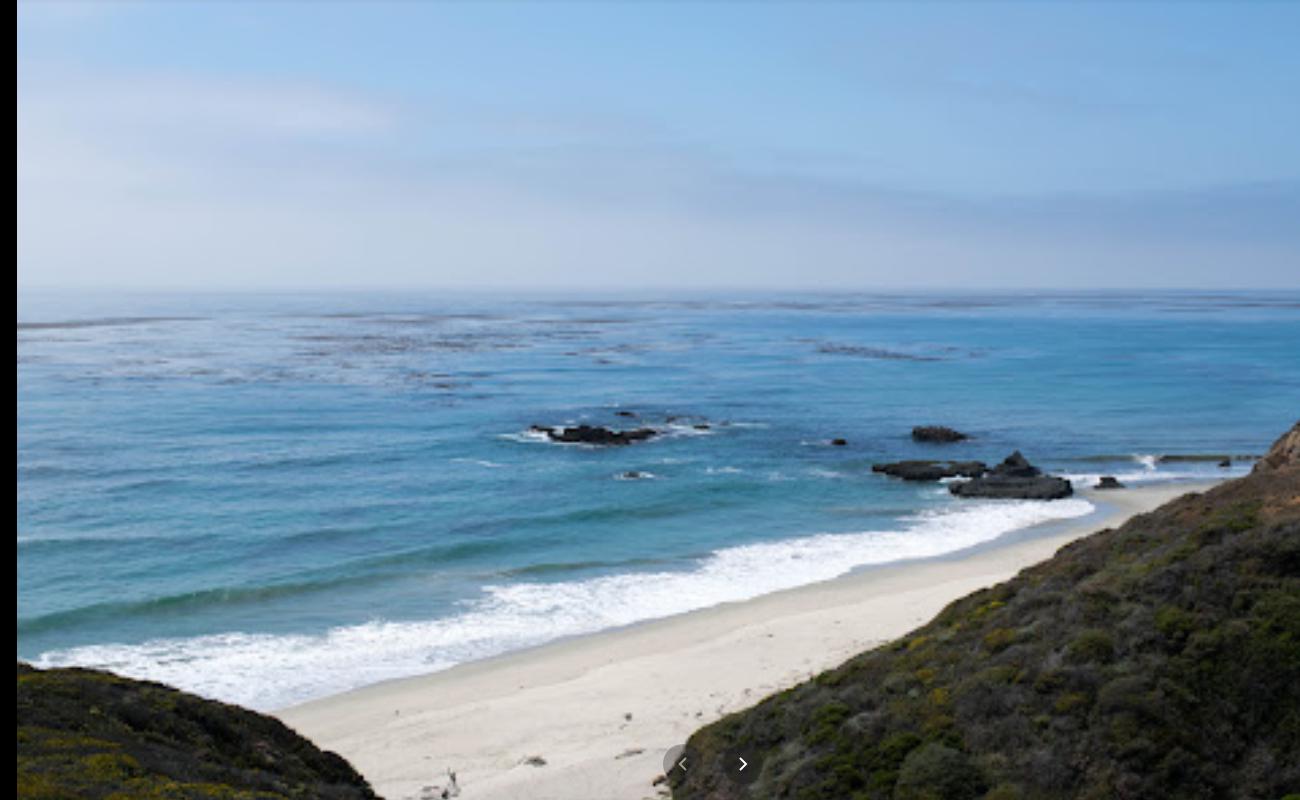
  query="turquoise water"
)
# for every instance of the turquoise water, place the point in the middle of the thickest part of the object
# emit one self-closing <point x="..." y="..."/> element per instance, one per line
<point x="271" y="498"/>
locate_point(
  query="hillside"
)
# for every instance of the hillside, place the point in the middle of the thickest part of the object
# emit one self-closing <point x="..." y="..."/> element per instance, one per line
<point x="89" y="734"/>
<point x="1157" y="660"/>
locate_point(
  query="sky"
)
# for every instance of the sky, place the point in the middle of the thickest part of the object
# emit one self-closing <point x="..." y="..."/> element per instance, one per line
<point x="761" y="145"/>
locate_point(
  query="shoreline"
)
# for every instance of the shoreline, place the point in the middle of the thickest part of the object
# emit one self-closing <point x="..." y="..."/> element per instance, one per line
<point x="601" y="708"/>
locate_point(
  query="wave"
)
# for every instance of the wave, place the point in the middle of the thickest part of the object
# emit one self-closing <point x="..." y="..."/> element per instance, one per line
<point x="267" y="671"/>
<point x="1151" y="474"/>
<point x="183" y="603"/>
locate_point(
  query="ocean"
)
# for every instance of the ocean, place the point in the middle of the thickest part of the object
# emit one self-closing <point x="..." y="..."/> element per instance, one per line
<point x="270" y="498"/>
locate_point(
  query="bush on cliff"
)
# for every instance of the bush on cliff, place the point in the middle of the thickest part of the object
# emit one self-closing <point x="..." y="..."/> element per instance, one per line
<point x="89" y="734"/>
<point x="1157" y="660"/>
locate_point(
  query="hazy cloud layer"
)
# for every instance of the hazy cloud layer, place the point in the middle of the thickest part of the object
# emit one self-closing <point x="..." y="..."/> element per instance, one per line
<point x="173" y="177"/>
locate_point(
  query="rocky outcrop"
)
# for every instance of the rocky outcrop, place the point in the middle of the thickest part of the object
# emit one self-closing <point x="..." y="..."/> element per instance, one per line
<point x="89" y="734"/>
<point x="1014" y="479"/>
<point x="937" y="434"/>
<point x="595" y="434"/>
<point x="926" y="470"/>
<point x="1108" y="482"/>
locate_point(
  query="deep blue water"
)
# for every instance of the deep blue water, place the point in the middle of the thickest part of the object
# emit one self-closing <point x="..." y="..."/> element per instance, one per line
<point x="270" y="498"/>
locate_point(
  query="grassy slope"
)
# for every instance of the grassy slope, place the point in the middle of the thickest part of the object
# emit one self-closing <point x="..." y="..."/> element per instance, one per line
<point x="1157" y="660"/>
<point x="88" y="734"/>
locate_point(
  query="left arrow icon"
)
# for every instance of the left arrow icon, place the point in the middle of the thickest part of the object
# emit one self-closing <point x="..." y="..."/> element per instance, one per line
<point x="682" y="764"/>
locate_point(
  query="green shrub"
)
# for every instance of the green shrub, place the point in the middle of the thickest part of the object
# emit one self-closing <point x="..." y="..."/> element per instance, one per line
<point x="1093" y="645"/>
<point x="936" y="772"/>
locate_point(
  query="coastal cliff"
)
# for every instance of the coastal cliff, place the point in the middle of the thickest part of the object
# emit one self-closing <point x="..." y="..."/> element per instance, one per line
<point x="89" y="734"/>
<point x="1159" y="659"/>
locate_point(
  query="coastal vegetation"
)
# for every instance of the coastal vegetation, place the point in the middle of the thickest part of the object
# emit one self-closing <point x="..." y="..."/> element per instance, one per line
<point x="89" y="734"/>
<point x="1160" y="659"/>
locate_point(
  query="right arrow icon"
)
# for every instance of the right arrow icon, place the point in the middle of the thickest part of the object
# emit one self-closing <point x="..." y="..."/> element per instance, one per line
<point x="743" y="764"/>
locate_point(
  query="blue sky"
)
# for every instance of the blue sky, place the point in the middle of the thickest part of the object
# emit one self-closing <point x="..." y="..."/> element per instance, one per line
<point x="762" y="145"/>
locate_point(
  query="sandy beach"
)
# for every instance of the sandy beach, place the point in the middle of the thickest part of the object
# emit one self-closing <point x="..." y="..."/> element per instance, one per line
<point x="591" y="717"/>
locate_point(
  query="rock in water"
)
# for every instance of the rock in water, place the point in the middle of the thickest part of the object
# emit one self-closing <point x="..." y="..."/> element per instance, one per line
<point x="1014" y="479"/>
<point x="89" y="734"/>
<point x="1108" y="482"/>
<point x="839" y="442"/>
<point x="937" y="434"/>
<point x="931" y="470"/>
<point x="595" y="434"/>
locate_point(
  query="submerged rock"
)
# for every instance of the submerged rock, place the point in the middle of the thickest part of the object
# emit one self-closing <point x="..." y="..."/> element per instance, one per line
<point x="931" y="470"/>
<point x="839" y="442"/>
<point x="937" y="434"/>
<point x="595" y="434"/>
<point x="1015" y="479"/>
<point x="1108" y="482"/>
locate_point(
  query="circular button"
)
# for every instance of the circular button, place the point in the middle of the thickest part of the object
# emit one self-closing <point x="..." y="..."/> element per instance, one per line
<point x="678" y="761"/>
<point x="742" y="766"/>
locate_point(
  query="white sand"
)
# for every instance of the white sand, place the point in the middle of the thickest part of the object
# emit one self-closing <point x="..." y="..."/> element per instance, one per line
<point x="602" y="709"/>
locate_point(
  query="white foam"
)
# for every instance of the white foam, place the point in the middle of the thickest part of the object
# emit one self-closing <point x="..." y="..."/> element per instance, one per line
<point x="821" y="472"/>
<point x="1154" y="476"/>
<point x="529" y="435"/>
<point x="635" y="475"/>
<point x="675" y="429"/>
<point x="482" y="462"/>
<point x="1147" y="460"/>
<point x="268" y="671"/>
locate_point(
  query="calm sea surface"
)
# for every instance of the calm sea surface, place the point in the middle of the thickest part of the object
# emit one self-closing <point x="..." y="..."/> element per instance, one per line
<point x="271" y="498"/>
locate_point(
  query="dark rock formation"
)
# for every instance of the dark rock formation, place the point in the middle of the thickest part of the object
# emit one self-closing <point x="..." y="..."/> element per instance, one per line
<point x="89" y="734"/>
<point x="931" y="470"/>
<point x="1015" y="478"/>
<point x="625" y="413"/>
<point x="1108" y="482"/>
<point x="1157" y="660"/>
<point x="839" y="442"/>
<point x="937" y="434"/>
<point x="595" y="434"/>
<point x="1225" y="463"/>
